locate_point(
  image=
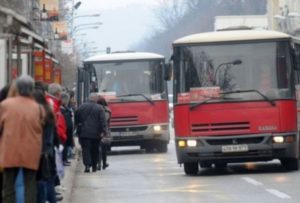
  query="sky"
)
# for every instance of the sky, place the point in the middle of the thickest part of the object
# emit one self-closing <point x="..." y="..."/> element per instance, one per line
<point x="125" y="22"/>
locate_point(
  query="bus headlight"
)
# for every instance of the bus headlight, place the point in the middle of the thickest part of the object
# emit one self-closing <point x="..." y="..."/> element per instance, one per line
<point x="278" y="139"/>
<point x="192" y="143"/>
<point x="181" y="143"/>
<point x="157" y="128"/>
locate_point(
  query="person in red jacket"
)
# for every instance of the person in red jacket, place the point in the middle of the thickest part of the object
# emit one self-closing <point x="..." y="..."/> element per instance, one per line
<point x="54" y="99"/>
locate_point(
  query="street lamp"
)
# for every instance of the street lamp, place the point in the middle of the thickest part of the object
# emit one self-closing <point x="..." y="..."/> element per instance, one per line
<point x="91" y="15"/>
<point x="77" y="5"/>
<point x="88" y="24"/>
<point x="82" y="44"/>
<point x="84" y="28"/>
<point x="56" y="35"/>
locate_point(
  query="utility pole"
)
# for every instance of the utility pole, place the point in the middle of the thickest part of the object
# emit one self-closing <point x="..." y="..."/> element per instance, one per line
<point x="273" y="9"/>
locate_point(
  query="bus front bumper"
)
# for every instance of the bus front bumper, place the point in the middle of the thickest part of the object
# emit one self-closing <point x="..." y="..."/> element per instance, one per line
<point x="136" y="135"/>
<point x="234" y="149"/>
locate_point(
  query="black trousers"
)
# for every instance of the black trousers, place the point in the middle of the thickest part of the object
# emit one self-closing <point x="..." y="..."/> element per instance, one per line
<point x="30" y="185"/>
<point x="1" y="182"/>
<point x="90" y="151"/>
<point x="104" y="148"/>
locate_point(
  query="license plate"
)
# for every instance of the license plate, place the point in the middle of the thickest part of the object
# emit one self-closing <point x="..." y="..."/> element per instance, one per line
<point x="234" y="148"/>
<point x="125" y="134"/>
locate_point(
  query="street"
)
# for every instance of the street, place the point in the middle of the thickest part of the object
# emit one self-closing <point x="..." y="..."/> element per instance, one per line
<point x="134" y="176"/>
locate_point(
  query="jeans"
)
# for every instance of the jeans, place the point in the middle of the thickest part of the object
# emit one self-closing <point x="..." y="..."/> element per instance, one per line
<point x="46" y="191"/>
<point x="30" y="185"/>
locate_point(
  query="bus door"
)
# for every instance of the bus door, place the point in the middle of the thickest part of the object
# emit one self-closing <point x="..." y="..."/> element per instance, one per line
<point x="6" y="44"/>
<point x="296" y="64"/>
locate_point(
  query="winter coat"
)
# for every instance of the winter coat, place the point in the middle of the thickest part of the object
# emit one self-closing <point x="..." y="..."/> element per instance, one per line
<point x="21" y="138"/>
<point x="90" y="120"/>
<point x="68" y="115"/>
<point x="48" y="145"/>
<point x="61" y="127"/>
<point x="107" y="117"/>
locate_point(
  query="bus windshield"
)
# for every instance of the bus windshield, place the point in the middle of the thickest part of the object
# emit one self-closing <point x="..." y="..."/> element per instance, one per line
<point x="131" y="78"/>
<point x="264" y="67"/>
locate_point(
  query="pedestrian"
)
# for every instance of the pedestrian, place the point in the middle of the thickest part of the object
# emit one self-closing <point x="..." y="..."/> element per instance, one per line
<point x="20" y="147"/>
<point x="47" y="169"/>
<point x="19" y="182"/>
<point x="68" y="115"/>
<point x="54" y="99"/>
<point x="105" y="141"/>
<point x="3" y="96"/>
<point x="90" y="122"/>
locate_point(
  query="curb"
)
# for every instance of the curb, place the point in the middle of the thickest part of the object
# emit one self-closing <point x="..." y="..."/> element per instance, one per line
<point x="69" y="179"/>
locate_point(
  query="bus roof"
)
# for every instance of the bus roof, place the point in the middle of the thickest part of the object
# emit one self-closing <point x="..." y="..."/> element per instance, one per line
<point x="129" y="56"/>
<point x="231" y="36"/>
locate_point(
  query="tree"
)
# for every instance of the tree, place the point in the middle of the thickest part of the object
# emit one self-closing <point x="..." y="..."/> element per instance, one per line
<point x="183" y="17"/>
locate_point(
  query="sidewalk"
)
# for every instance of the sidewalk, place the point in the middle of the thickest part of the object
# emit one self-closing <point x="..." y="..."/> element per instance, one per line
<point x="69" y="178"/>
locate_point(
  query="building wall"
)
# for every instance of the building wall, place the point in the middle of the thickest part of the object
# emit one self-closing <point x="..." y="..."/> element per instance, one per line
<point x="280" y="15"/>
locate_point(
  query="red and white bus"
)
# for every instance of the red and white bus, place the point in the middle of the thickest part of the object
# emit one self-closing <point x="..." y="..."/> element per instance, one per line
<point x="134" y="86"/>
<point x="234" y="99"/>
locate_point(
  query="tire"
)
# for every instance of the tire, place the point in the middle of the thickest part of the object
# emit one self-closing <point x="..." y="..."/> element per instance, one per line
<point x="290" y="164"/>
<point x="149" y="148"/>
<point x="191" y="168"/>
<point x="205" y="165"/>
<point x="162" y="147"/>
<point x="221" y="166"/>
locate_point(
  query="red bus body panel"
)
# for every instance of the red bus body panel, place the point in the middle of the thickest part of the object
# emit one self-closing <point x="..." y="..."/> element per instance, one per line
<point x="243" y="118"/>
<point x="138" y="113"/>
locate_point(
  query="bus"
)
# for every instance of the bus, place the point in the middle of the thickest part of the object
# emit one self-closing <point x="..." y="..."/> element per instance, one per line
<point x="235" y="98"/>
<point x="133" y="84"/>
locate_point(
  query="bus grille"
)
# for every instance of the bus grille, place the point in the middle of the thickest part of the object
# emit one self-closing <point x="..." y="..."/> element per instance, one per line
<point x="220" y="127"/>
<point x="242" y="140"/>
<point x="129" y="129"/>
<point x="124" y="120"/>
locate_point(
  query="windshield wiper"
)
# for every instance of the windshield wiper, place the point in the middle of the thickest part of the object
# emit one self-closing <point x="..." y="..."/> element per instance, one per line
<point x="142" y="95"/>
<point x="193" y="106"/>
<point x="258" y="92"/>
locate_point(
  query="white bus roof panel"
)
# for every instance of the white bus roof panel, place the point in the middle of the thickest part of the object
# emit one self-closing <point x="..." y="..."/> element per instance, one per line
<point x="229" y="36"/>
<point x="124" y="57"/>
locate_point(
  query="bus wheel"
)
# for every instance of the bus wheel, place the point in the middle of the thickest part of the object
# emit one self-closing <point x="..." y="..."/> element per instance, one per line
<point x="162" y="147"/>
<point x="205" y="165"/>
<point x="191" y="168"/>
<point x="290" y="164"/>
<point x="149" y="148"/>
<point x="220" y="166"/>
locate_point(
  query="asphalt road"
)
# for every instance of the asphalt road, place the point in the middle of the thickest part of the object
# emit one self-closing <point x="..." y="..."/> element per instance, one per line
<point x="134" y="176"/>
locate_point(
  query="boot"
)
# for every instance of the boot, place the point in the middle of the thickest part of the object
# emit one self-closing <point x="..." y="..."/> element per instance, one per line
<point x="87" y="169"/>
<point x="105" y="165"/>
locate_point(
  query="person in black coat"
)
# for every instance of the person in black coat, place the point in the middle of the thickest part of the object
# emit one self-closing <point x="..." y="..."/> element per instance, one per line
<point x="46" y="184"/>
<point x="91" y="123"/>
<point x="68" y="114"/>
<point x="104" y="147"/>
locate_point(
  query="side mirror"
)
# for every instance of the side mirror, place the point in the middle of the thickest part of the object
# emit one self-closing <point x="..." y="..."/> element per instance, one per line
<point x="295" y="56"/>
<point x="80" y="76"/>
<point x="296" y="59"/>
<point x="168" y="71"/>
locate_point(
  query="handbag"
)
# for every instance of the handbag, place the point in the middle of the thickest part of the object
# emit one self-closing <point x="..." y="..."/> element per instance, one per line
<point x="106" y="139"/>
<point x="44" y="171"/>
<point x="60" y="169"/>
